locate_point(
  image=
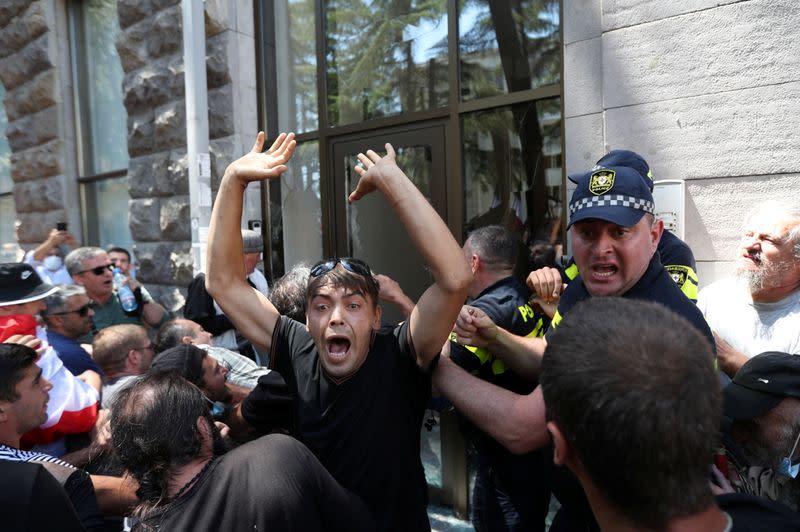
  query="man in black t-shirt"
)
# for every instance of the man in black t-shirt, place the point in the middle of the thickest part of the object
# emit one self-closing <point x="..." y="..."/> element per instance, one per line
<point x="359" y="395"/>
<point x="635" y="416"/>
<point x="163" y="434"/>
<point x="511" y="491"/>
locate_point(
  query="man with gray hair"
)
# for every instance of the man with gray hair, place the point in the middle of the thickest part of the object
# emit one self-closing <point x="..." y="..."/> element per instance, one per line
<point x="758" y="310"/>
<point x="91" y="268"/>
<point x="68" y="317"/>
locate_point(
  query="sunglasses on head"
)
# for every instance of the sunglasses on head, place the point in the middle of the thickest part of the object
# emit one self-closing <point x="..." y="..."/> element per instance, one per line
<point x="82" y="312"/>
<point x="100" y="270"/>
<point x="350" y="264"/>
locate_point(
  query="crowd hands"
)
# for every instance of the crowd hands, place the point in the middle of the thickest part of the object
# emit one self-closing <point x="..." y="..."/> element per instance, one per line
<point x="607" y="355"/>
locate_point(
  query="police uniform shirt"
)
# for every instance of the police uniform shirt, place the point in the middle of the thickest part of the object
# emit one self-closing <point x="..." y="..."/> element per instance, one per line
<point x="506" y="303"/>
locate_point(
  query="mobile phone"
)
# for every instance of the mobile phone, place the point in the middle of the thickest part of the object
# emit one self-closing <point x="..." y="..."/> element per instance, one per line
<point x="61" y="226"/>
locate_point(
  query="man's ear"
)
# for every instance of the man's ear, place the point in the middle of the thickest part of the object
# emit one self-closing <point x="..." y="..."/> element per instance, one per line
<point x="134" y="357"/>
<point x="656" y="230"/>
<point x="188" y="340"/>
<point x="376" y="322"/>
<point x="4" y="406"/>
<point x="562" y="450"/>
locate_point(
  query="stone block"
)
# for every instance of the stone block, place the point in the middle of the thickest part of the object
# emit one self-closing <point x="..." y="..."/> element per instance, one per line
<point x="219" y="16"/>
<point x="176" y="67"/>
<point x="709" y="272"/>
<point x="155" y="264"/>
<point x="35" y="226"/>
<point x="147" y="87"/>
<point x="41" y="195"/>
<point x="245" y="18"/>
<point x="143" y="219"/>
<point x="141" y="178"/>
<point x="716" y="208"/>
<point x="583" y="74"/>
<point x="132" y="45"/>
<point x="170" y="125"/>
<point x="172" y="298"/>
<point x="715" y="50"/>
<point x="33" y="129"/>
<point x="740" y="133"/>
<point x="10" y="9"/>
<point x="182" y="264"/>
<point x="621" y="13"/>
<point x="167" y="35"/>
<point x="132" y="11"/>
<point x="162" y="4"/>
<point x="141" y="132"/>
<point x="19" y="67"/>
<point x="40" y="161"/>
<point x="217" y="63"/>
<point x="220" y="112"/>
<point x="581" y="20"/>
<point x="173" y="177"/>
<point x="175" y="223"/>
<point x="223" y="152"/>
<point x="583" y="142"/>
<point x="22" y="30"/>
<point x="38" y="93"/>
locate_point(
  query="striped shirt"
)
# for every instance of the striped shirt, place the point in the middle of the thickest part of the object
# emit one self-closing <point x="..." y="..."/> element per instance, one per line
<point x="16" y="455"/>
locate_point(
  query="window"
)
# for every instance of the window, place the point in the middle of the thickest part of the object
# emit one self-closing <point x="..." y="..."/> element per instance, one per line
<point x="101" y="122"/>
<point x="8" y="214"/>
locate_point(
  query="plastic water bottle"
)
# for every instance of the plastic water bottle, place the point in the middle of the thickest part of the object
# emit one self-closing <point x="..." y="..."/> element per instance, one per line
<point x="124" y="292"/>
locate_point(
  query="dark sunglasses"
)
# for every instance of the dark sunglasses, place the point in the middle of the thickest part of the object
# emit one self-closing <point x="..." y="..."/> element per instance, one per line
<point x="350" y="264"/>
<point x="82" y="312"/>
<point x="100" y="270"/>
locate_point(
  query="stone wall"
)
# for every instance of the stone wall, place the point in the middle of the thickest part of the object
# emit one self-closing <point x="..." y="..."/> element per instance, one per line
<point x="706" y="90"/>
<point x="33" y="70"/>
<point x="151" y="50"/>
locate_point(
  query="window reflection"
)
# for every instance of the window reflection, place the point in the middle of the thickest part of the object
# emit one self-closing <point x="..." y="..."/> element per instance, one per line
<point x="512" y="168"/>
<point x="295" y="35"/>
<point x="107" y="209"/>
<point x="508" y="46"/>
<point x="107" y="116"/>
<point x="301" y="208"/>
<point x="385" y="58"/>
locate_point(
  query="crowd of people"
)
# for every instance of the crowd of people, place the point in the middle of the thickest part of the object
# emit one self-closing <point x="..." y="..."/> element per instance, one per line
<point x="605" y="381"/>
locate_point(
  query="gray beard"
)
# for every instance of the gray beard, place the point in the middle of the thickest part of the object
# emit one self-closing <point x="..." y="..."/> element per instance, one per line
<point x="767" y="276"/>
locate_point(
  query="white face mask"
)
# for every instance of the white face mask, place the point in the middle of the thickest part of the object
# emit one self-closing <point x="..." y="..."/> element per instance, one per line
<point x="52" y="262"/>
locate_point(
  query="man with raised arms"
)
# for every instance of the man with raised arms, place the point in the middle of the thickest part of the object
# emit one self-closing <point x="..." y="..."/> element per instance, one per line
<point x="358" y="395"/>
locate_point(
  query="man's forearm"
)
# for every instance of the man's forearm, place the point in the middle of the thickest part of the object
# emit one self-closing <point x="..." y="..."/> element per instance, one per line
<point x="115" y="495"/>
<point x="225" y="253"/>
<point x="522" y="354"/>
<point x="516" y="421"/>
<point x="152" y="313"/>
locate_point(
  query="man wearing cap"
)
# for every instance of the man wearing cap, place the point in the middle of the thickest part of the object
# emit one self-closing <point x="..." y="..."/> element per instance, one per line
<point x="73" y="404"/>
<point x="615" y="237"/>
<point x="675" y="255"/>
<point x="201" y="307"/>
<point x="758" y="310"/>
<point x="763" y="406"/>
<point x="91" y="268"/>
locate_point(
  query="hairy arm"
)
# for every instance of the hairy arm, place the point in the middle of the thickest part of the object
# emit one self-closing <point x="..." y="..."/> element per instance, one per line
<point x="248" y="309"/>
<point x="430" y="320"/>
<point x="520" y="353"/>
<point x="392" y="292"/>
<point x="516" y="421"/>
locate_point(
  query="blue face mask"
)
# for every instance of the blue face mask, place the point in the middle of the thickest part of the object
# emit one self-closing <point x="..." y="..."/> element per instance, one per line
<point x="217" y="409"/>
<point x="52" y="262"/>
<point x="786" y="467"/>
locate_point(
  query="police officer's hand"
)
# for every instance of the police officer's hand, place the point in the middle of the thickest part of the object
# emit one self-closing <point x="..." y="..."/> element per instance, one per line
<point x="258" y="165"/>
<point x="474" y="327"/>
<point x="546" y="284"/>
<point x="374" y="168"/>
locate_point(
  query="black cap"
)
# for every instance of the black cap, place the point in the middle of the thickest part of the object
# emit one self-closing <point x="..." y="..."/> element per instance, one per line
<point x="185" y="359"/>
<point x="763" y="382"/>
<point x="19" y="283"/>
<point x="616" y="194"/>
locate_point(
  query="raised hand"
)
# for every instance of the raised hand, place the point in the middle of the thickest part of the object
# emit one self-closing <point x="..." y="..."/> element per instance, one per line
<point x="259" y="165"/>
<point x="546" y="284"/>
<point x="375" y="168"/>
<point x="474" y="327"/>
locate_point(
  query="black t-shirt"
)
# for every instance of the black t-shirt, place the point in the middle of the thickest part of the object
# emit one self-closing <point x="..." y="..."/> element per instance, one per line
<point x="366" y="430"/>
<point x="750" y="513"/>
<point x="31" y="500"/>
<point x="272" y="483"/>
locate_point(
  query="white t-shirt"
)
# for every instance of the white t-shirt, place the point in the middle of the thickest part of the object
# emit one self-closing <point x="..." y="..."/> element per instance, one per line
<point x="749" y="327"/>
